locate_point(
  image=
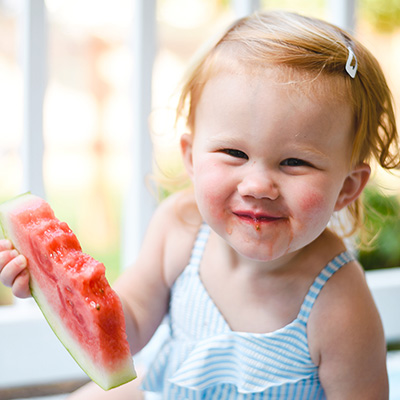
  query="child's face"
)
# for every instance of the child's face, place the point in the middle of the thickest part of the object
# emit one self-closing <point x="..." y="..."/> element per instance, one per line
<point x="269" y="162"/>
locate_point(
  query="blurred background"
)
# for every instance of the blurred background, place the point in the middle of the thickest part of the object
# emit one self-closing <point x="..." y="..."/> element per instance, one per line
<point x="87" y="115"/>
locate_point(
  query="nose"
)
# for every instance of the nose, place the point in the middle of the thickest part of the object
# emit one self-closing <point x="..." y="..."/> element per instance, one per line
<point x="259" y="184"/>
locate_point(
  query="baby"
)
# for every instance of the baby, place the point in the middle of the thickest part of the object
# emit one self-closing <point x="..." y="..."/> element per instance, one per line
<point x="284" y="115"/>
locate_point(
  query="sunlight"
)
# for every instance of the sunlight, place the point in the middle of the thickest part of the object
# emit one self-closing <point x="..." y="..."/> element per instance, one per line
<point x="187" y="14"/>
<point x="92" y="13"/>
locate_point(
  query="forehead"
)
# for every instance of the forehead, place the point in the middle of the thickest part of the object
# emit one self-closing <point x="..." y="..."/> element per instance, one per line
<point x="314" y="83"/>
<point x="315" y="88"/>
<point x="269" y="103"/>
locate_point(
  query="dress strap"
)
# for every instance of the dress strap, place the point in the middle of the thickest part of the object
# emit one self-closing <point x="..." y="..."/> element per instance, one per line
<point x="320" y="281"/>
<point x="199" y="245"/>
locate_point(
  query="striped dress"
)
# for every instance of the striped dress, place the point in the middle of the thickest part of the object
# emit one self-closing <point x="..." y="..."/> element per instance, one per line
<point x="204" y="359"/>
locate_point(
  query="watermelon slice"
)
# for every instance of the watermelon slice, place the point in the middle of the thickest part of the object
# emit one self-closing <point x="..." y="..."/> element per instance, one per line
<point x="71" y="290"/>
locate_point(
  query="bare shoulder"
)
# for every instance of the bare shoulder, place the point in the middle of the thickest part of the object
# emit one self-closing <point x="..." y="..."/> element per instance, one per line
<point x="346" y="338"/>
<point x="167" y="243"/>
<point x="180" y="221"/>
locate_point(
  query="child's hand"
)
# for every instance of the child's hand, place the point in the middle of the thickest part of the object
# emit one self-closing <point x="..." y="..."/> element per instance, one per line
<point x="13" y="271"/>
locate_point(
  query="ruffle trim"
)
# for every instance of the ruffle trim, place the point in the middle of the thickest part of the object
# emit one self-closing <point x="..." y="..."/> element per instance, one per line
<point x="242" y="360"/>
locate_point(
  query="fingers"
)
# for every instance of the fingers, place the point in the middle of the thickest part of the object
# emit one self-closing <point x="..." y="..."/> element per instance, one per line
<point x="6" y="256"/>
<point x="14" y="264"/>
<point x="20" y="287"/>
<point x="13" y="271"/>
<point x="6" y="252"/>
<point x="5" y="244"/>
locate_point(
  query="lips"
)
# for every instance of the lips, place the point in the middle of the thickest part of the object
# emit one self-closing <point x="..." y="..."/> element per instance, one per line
<point x="257" y="218"/>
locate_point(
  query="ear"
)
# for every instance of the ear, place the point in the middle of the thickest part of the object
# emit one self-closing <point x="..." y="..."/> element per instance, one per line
<point x="353" y="185"/>
<point x="187" y="153"/>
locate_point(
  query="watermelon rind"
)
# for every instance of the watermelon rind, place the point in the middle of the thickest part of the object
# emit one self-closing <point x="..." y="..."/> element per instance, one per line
<point x="2" y="235"/>
<point x="122" y="373"/>
<point x="8" y="206"/>
<point x="105" y="380"/>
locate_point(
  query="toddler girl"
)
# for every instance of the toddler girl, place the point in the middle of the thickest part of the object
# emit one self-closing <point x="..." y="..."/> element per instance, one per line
<point x="264" y="301"/>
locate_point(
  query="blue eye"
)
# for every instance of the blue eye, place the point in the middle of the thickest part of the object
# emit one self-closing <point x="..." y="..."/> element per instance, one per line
<point x="235" y="153"/>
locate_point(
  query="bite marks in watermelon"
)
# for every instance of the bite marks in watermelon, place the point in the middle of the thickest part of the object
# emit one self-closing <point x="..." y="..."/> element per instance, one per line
<point x="71" y="289"/>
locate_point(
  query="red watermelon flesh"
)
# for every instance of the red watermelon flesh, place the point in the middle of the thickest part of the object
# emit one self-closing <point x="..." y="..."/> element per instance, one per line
<point x="71" y="289"/>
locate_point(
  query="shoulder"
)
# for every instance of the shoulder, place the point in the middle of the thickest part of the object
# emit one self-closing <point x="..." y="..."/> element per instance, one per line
<point x="345" y="303"/>
<point x="176" y="223"/>
<point x="346" y="337"/>
<point x="168" y="242"/>
<point x="180" y="208"/>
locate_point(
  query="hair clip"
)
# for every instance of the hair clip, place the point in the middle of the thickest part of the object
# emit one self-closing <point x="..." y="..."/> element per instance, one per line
<point x="352" y="63"/>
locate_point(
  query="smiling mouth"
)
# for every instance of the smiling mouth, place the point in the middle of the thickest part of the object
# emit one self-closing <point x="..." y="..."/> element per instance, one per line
<point x="257" y="219"/>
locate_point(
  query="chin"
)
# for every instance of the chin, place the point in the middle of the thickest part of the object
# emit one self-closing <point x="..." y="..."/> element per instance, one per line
<point x="265" y="251"/>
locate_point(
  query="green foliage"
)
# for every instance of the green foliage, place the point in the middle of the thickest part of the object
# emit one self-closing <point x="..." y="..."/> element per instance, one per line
<point x="384" y="15"/>
<point x="382" y="220"/>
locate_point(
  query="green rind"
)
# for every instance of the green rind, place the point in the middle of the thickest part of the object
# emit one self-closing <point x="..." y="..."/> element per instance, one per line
<point x="7" y="207"/>
<point x="106" y="381"/>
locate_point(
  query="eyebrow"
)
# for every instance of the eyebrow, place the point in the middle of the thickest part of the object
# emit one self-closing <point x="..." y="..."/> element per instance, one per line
<point x="225" y="140"/>
<point x="310" y="150"/>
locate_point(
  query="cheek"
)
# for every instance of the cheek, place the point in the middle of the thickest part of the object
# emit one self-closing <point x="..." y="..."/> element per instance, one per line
<point x="311" y="201"/>
<point x="314" y="204"/>
<point x="209" y="187"/>
<point x="209" y="204"/>
<point x="210" y="175"/>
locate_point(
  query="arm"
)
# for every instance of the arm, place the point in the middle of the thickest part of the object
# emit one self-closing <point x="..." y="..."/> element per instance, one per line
<point x="347" y="339"/>
<point x="144" y="288"/>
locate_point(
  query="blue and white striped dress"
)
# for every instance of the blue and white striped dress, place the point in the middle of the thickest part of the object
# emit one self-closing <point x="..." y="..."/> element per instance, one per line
<point x="204" y="359"/>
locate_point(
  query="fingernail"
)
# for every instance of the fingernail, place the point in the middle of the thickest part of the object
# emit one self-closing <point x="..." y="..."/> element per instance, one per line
<point x="14" y="253"/>
<point x="20" y="260"/>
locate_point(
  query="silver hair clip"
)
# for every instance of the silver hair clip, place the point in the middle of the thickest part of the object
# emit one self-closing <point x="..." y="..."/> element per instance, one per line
<point x="352" y="63"/>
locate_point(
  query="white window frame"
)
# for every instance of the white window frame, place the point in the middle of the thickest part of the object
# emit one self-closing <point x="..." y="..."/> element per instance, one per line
<point x="33" y="32"/>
